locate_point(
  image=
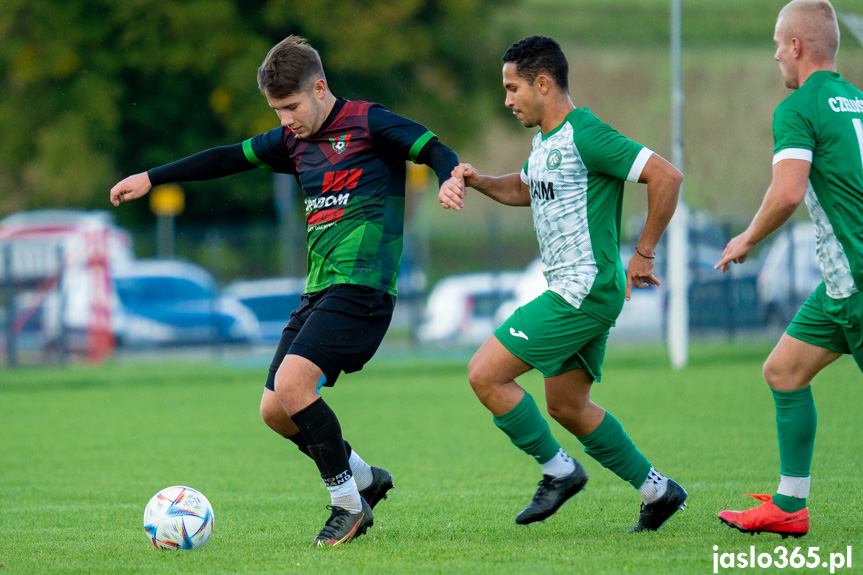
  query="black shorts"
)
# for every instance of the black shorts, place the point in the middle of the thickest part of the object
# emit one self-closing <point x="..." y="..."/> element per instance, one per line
<point x="338" y="329"/>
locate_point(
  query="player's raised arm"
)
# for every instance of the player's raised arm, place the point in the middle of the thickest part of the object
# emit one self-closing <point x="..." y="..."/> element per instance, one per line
<point x="663" y="187"/>
<point x="207" y="165"/>
<point x="786" y="192"/>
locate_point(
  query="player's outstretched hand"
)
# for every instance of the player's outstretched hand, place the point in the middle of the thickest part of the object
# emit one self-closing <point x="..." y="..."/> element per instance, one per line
<point x="470" y="175"/>
<point x="639" y="273"/>
<point x="736" y="251"/>
<point x="130" y="188"/>
<point x="452" y="191"/>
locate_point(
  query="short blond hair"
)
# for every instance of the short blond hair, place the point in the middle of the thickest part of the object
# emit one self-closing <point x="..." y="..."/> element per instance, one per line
<point x="814" y="22"/>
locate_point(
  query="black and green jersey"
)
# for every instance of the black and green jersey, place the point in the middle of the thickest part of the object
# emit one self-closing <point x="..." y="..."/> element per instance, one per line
<point x="353" y="175"/>
<point x="822" y="122"/>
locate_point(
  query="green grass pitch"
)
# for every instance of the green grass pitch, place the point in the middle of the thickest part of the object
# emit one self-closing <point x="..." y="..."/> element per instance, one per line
<point x="82" y="450"/>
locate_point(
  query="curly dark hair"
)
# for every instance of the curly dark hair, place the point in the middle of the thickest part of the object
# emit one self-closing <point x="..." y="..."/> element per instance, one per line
<point x="537" y="54"/>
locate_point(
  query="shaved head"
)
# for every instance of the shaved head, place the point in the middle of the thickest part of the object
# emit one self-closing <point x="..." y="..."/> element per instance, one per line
<point x="814" y="22"/>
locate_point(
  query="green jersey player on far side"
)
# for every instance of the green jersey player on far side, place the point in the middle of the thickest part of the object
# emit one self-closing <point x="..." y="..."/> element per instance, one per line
<point x="818" y="146"/>
<point x="573" y="181"/>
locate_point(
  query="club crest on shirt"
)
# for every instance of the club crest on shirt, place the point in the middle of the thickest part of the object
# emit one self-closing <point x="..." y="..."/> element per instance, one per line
<point x="554" y="159"/>
<point x="341" y="144"/>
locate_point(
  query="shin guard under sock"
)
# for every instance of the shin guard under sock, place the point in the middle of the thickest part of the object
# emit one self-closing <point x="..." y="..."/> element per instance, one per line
<point x="614" y="450"/>
<point x="303" y="445"/>
<point x="528" y="430"/>
<point x="796" y="422"/>
<point x="320" y="428"/>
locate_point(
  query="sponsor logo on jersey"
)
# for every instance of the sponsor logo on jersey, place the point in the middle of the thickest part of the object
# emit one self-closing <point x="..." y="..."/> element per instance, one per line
<point x="554" y="159"/>
<point x="839" y="104"/>
<point x="341" y="144"/>
<point x="313" y="204"/>
<point x="542" y="190"/>
<point x="518" y="333"/>
<point x="325" y="217"/>
<point x="326" y="210"/>
<point x="341" y="180"/>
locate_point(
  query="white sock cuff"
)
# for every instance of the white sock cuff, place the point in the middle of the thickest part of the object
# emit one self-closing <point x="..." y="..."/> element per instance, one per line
<point x="654" y="486"/>
<point x="361" y="470"/>
<point x="793" y="486"/>
<point x="345" y="488"/>
<point x="559" y="465"/>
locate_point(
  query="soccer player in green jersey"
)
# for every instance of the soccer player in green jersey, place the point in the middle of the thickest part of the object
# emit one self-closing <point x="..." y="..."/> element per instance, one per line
<point x="818" y="146"/>
<point x="573" y="181"/>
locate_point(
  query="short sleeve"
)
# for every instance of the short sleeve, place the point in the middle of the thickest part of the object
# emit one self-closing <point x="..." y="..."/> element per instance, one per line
<point x="268" y="152"/>
<point x="793" y="134"/>
<point x="397" y="135"/>
<point x="603" y="149"/>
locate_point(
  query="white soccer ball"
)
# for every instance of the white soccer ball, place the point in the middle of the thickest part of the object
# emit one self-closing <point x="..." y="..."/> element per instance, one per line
<point x="178" y="518"/>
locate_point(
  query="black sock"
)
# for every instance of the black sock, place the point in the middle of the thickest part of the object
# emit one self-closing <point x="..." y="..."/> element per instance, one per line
<point x="320" y="427"/>
<point x="303" y="445"/>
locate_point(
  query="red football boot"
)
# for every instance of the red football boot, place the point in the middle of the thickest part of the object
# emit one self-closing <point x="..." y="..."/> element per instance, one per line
<point x="768" y="518"/>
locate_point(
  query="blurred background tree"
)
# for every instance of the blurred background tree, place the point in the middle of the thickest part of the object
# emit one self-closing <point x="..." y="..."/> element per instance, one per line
<point x="98" y="89"/>
<point x="93" y="90"/>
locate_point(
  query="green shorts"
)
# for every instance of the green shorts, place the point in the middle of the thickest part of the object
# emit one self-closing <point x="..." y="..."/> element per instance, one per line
<point x="834" y="324"/>
<point x="552" y="336"/>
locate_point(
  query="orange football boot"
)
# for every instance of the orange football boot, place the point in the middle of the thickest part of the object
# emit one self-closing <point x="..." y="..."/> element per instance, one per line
<point x="768" y="518"/>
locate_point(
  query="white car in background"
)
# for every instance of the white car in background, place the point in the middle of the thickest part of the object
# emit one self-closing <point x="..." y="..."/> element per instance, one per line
<point x="642" y="317"/>
<point x="462" y="308"/>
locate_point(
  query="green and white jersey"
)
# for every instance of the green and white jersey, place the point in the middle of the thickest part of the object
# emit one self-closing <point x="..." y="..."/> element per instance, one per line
<point x="576" y="174"/>
<point x="822" y="123"/>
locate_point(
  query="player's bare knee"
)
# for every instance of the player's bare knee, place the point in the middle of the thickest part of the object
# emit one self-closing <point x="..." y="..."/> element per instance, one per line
<point x="272" y="413"/>
<point x="269" y="417"/>
<point x="560" y="413"/>
<point x="778" y="375"/>
<point x="565" y="413"/>
<point x="477" y="375"/>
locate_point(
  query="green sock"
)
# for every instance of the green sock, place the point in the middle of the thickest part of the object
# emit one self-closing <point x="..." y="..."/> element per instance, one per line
<point x="788" y="504"/>
<point x="614" y="450"/>
<point x="528" y="430"/>
<point x="796" y="421"/>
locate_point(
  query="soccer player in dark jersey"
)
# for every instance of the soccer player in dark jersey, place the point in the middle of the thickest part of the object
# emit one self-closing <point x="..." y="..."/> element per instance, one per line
<point x="349" y="157"/>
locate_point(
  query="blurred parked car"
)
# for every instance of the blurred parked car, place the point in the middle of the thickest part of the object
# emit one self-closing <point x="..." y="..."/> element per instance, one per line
<point x="271" y="300"/>
<point x="643" y="316"/>
<point x="461" y="308"/>
<point x="716" y="301"/>
<point x="789" y="274"/>
<point x="173" y="302"/>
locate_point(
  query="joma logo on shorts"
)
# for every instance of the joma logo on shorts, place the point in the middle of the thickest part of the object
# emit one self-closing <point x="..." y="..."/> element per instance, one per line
<point x="518" y="333"/>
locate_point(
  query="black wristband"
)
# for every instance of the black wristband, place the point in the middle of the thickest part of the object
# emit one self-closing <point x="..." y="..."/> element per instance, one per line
<point x="644" y="256"/>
